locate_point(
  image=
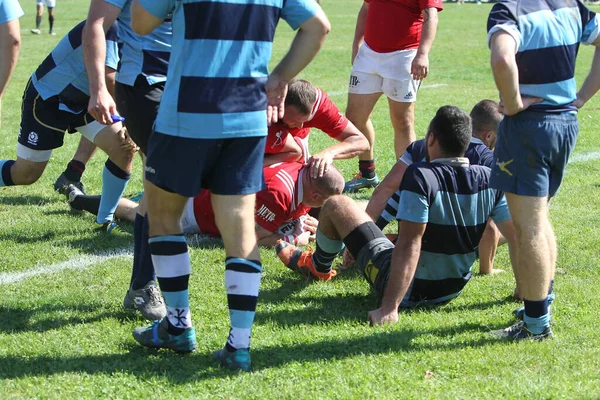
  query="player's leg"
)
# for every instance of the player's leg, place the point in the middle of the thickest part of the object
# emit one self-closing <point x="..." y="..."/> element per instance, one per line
<point x="126" y="209"/>
<point x="487" y="248"/>
<point x="402" y="116"/>
<point x="38" y="17"/>
<point x="365" y="88"/>
<point x="117" y="169"/>
<point x="234" y="180"/>
<point x="51" y="4"/>
<point x="21" y="171"/>
<point x="76" y="167"/>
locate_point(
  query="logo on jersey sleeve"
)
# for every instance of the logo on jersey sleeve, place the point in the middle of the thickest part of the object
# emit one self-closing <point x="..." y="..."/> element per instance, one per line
<point x="33" y="138"/>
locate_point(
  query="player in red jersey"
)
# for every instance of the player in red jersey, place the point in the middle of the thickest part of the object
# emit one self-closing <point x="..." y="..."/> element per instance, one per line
<point x="309" y="107"/>
<point x="390" y="55"/>
<point x="281" y="208"/>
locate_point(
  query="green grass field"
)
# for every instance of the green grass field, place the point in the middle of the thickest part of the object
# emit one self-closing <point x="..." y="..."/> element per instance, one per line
<point x="64" y="334"/>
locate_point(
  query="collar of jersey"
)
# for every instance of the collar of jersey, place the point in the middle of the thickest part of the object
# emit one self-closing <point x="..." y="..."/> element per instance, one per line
<point x="300" y="190"/>
<point x="476" y="140"/>
<point x="453" y="161"/>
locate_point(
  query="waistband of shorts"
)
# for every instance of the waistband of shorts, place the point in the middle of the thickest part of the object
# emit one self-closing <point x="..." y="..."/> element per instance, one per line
<point x="566" y="116"/>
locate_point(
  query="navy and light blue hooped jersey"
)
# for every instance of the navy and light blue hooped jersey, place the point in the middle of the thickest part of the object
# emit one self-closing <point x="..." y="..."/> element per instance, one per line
<point x="63" y="72"/>
<point x="548" y="34"/>
<point x="10" y="10"/>
<point x="146" y="55"/>
<point x="477" y="153"/>
<point x="455" y="201"/>
<point x="215" y="86"/>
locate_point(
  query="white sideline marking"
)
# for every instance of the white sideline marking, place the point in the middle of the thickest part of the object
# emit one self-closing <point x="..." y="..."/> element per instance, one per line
<point x="432" y="86"/>
<point x="577" y="158"/>
<point x="75" y="263"/>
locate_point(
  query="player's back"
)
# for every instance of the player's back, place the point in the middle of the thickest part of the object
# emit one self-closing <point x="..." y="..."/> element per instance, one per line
<point x="63" y="73"/>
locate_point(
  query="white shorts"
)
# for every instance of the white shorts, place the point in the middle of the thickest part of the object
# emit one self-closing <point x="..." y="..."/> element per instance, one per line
<point x="48" y="3"/>
<point x="387" y="73"/>
<point x="188" y="220"/>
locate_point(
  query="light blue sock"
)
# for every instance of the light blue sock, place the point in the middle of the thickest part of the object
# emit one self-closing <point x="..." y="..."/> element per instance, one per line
<point x="537" y="325"/>
<point x="114" y="181"/>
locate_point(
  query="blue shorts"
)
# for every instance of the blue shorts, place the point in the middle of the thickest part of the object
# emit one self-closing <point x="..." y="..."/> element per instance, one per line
<point x="43" y="123"/>
<point x="532" y="152"/>
<point x="224" y="166"/>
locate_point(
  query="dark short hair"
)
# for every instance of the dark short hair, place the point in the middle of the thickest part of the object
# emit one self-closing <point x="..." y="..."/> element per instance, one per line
<point x="451" y="127"/>
<point x="485" y="116"/>
<point x="302" y="95"/>
<point x="331" y="183"/>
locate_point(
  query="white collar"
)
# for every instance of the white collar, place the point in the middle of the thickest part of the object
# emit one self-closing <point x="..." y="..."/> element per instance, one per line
<point x="453" y="161"/>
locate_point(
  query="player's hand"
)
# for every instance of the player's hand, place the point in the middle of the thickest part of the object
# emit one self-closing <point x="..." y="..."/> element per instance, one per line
<point x="304" y="238"/>
<point x="347" y="259"/>
<point x="525" y="103"/>
<point x="102" y="106"/>
<point x="310" y="224"/>
<point x="319" y="164"/>
<point x="419" y="68"/>
<point x="127" y="144"/>
<point x="579" y="102"/>
<point x="276" y="91"/>
<point x="379" y="317"/>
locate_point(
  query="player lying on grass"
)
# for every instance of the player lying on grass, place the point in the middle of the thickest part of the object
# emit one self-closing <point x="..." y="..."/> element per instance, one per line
<point x="281" y="208"/>
<point x="55" y="101"/>
<point x="444" y="206"/>
<point x="383" y="205"/>
<point x="309" y="107"/>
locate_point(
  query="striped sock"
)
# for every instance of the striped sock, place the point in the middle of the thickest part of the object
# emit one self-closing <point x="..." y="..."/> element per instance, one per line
<point x="114" y="181"/>
<point x="5" y="178"/>
<point x="242" y="280"/>
<point x="327" y="250"/>
<point x="172" y="263"/>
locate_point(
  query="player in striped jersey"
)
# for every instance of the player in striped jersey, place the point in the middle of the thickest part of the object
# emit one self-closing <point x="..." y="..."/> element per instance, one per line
<point x="444" y="206"/>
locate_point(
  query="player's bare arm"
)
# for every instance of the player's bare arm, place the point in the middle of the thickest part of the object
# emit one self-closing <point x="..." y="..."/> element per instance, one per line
<point x="359" y="31"/>
<point x="385" y="190"/>
<point x="591" y="85"/>
<point x="290" y="152"/>
<point x="142" y="22"/>
<point x="405" y="258"/>
<point x="100" y="17"/>
<point x="267" y="238"/>
<point x="308" y="41"/>
<point x="420" y="65"/>
<point x="351" y="143"/>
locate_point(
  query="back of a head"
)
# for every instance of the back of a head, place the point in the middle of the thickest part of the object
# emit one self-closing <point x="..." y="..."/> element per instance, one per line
<point x="331" y="183"/>
<point x="302" y="95"/>
<point x="451" y="127"/>
<point x="485" y="116"/>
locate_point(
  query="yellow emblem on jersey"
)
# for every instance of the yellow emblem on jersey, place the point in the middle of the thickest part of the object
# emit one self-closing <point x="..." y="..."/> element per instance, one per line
<point x="502" y="166"/>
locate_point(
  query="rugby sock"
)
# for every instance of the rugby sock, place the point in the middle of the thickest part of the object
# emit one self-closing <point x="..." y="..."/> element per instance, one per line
<point x="536" y="317"/>
<point x="90" y="204"/>
<point x="51" y="21"/>
<point x="74" y="170"/>
<point x="172" y="262"/>
<point x="242" y="281"/>
<point x="114" y="181"/>
<point x="145" y="272"/>
<point x="38" y="21"/>
<point x="367" y="168"/>
<point x="327" y="250"/>
<point x="138" y="226"/>
<point x="5" y="178"/>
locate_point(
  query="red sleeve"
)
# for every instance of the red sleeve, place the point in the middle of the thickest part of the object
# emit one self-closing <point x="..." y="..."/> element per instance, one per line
<point x="328" y="118"/>
<point x="275" y="139"/>
<point x="431" y="4"/>
<point x="270" y="210"/>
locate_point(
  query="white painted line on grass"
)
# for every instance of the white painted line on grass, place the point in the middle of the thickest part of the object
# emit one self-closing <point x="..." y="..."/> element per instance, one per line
<point x="577" y="158"/>
<point x="82" y="262"/>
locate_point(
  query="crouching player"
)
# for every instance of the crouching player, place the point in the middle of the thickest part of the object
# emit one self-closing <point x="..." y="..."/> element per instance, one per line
<point x="55" y="101"/>
<point x="444" y="206"/>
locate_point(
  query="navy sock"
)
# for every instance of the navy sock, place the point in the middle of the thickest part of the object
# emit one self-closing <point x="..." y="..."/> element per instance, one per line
<point x="138" y="226"/>
<point x="74" y="170"/>
<point x="145" y="272"/>
<point x="90" y="204"/>
<point x="536" y="309"/>
<point x="38" y="21"/>
<point x="5" y="177"/>
<point x="367" y="168"/>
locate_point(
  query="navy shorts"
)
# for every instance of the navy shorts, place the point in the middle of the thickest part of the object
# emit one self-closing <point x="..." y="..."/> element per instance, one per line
<point x="224" y="166"/>
<point x="43" y="124"/>
<point x="139" y="105"/>
<point x="532" y="152"/>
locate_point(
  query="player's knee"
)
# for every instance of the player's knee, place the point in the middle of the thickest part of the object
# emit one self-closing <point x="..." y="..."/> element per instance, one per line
<point x="336" y="204"/>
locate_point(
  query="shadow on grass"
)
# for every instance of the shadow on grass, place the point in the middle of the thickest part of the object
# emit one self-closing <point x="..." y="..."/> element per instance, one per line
<point x="148" y="364"/>
<point x="54" y="316"/>
<point x="26" y="200"/>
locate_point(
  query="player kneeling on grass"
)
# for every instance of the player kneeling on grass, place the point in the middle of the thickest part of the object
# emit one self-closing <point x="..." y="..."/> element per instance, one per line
<point x="444" y="205"/>
<point x="281" y="208"/>
<point x="55" y="101"/>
